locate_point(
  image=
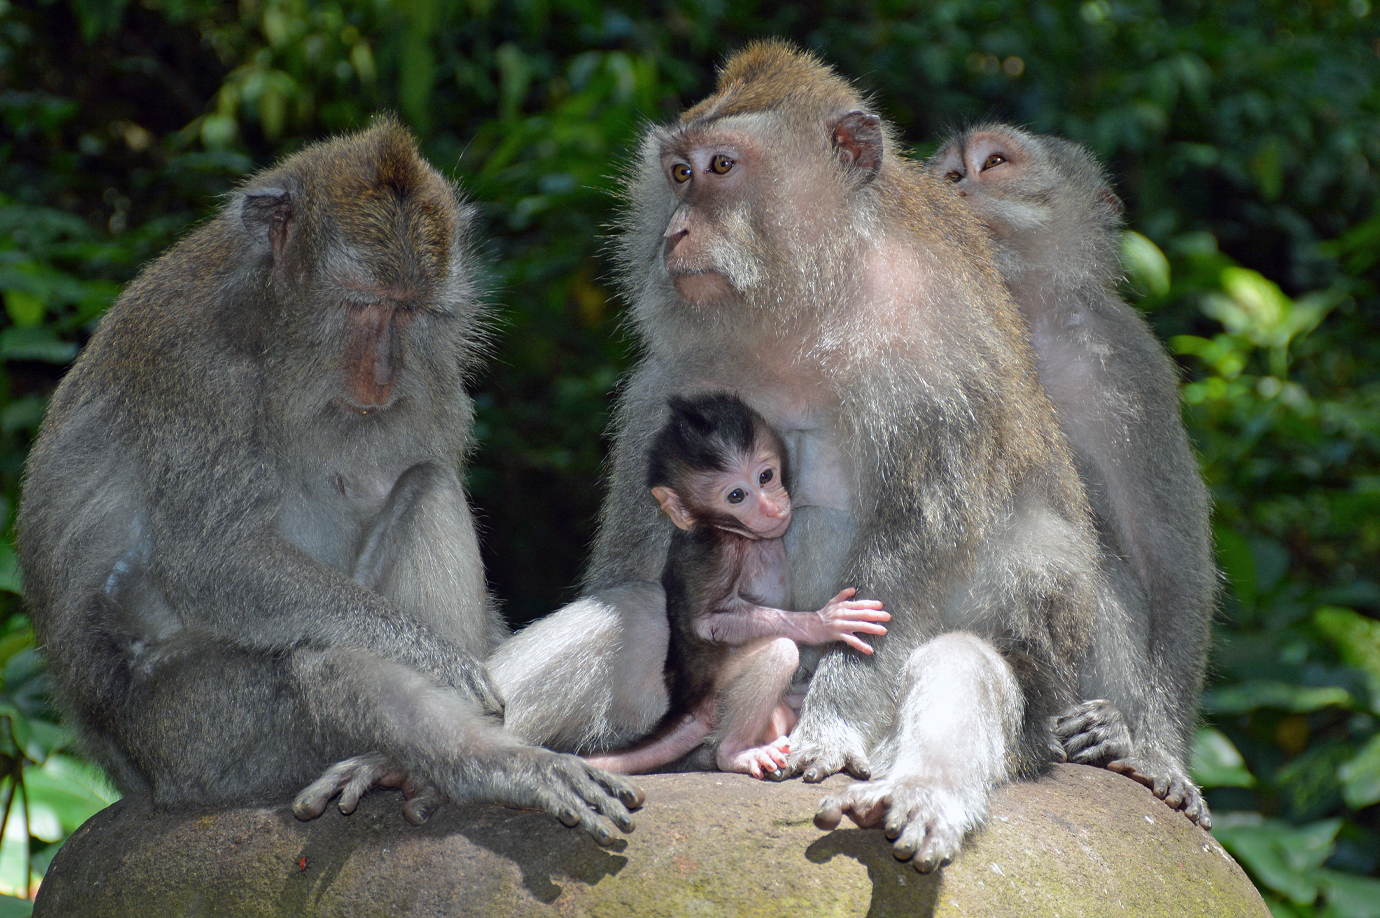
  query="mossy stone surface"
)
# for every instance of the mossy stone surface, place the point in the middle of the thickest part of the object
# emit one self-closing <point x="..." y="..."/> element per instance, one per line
<point x="1081" y="841"/>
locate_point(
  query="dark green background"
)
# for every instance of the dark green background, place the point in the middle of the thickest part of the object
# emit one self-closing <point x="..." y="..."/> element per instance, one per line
<point x="1244" y="138"/>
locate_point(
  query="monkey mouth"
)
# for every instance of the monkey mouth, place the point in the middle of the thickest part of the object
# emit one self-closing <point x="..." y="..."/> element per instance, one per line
<point x="702" y="285"/>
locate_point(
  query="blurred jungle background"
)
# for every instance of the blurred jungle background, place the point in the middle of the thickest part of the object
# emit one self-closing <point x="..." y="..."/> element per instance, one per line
<point x="1244" y="137"/>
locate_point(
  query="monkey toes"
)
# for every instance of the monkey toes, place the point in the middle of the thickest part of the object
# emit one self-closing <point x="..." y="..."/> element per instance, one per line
<point x="352" y="778"/>
<point x="1093" y="733"/>
<point x="925" y="823"/>
<point x="569" y="788"/>
<point x="815" y="761"/>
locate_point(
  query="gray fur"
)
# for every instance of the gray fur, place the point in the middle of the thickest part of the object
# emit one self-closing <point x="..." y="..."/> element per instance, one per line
<point x="1055" y="223"/>
<point x="240" y="574"/>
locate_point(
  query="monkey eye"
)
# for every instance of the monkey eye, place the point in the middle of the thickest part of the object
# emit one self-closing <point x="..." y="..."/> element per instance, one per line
<point x="953" y="176"/>
<point x="996" y="159"/>
<point x="720" y="164"/>
<point x="736" y="496"/>
<point x="765" y="477"/>
<point x="680" y="172"/>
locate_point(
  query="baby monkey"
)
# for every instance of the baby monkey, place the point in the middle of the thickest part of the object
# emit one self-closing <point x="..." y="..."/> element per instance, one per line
<point x="717" y="469"/>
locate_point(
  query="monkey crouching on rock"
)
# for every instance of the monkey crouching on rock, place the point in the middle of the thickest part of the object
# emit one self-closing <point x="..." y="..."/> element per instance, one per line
<point x="1054" y="222"/>
<point x="717" y="469"/>
<point x="248" y="554"/>
<point x="777" y="244"/>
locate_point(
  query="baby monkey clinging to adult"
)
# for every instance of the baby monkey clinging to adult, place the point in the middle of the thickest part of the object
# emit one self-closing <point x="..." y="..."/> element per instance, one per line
<point x="717" y="469"/>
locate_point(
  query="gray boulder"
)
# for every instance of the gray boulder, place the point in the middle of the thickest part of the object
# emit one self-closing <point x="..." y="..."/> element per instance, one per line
<point x="1081" y="841"/>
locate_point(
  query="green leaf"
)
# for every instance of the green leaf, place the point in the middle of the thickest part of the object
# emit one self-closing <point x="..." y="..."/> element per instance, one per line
<point x="1350" y="896"/>
<point x="1361" y="776"/>
<point x="39" y="344"/>
<point x="14" y="907"/>
<point x="1145" y="264"/>
<point x="25" y="309"/>
<point x="63" y="793"/>
<point x="1256" y="694"/>
<point x="1217" y="763"/>
<point x="1281" y="856"/>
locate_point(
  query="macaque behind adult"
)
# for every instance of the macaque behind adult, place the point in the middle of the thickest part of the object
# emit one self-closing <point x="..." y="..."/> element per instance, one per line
<point x="1055" y="222"/>
<point x="248" y="555"/>
<point x="717" y="469"/>
<point x="778" y="244"/>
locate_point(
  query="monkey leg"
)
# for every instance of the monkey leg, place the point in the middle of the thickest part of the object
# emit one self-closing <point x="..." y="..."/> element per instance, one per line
<point x="750" y="689"/>
<point x="590" y="676"/>
<point x="420" y="551"/>
<point x="959" y="715"/>
<point x="211" y="724"/>
<point x="1128" y="727"/>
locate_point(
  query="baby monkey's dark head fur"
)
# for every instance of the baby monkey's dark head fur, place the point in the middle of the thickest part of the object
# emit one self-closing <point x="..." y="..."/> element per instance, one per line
<point x="719" y="464"/>
<point x="705" y="433"/>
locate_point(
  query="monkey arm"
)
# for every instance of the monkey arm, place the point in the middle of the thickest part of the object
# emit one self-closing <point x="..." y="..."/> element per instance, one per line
<point x="736" y="620"/>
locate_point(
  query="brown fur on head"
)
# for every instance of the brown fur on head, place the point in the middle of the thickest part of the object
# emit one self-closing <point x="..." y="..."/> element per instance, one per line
<point x="774" y="75"/>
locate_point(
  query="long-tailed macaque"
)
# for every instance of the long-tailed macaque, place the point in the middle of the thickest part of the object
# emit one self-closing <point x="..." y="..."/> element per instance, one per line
<point x="247" y="550"/>
<point x="777" y="244"/>
<point x="1055" y="222"/>
<point x="718" y="470"/>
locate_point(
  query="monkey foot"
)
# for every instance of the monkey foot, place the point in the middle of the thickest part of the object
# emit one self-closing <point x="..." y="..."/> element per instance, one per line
<point x="1170" y="784"/>
<point x="759" y="761"/>
<point x="926" y="822"/>
<point x="816" y="759"/>
<point x="352" y="778"/>
<point x="1092" y="733"/>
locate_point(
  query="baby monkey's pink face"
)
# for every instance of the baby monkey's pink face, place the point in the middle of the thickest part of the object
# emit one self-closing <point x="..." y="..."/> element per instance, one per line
<point x="748" y="498"/>
<point x="753" y="493"/>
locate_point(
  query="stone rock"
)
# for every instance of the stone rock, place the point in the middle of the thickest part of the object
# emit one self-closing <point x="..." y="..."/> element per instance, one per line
<point x="1081" y="841"/>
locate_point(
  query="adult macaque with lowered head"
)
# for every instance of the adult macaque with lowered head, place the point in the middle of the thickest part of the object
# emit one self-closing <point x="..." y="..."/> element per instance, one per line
<point x="247" y="551"/>
<point x="1055" y="221"/>
<point x="776" y="244"/>
<point x="717" y="469"/>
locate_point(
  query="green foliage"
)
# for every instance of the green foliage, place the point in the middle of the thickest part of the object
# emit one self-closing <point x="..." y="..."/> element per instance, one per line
<point x="1245" y="138"/>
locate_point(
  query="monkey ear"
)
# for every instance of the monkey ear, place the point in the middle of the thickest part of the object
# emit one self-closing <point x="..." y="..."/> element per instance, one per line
<point x="857" y="138"/>
<point x="672" y="507"/>
<point x="1111" y="200"/>
<point x="268" y="216"/>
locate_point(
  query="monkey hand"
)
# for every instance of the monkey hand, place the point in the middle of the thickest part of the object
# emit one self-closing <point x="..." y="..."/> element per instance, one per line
<point x="819" y="750"/>
<point x="1092" y="733"/>
<point x="352" y="778"/>
<point x="925" y="820"/>
<point x="566" y="786"/>
<point x="843" y="616"/>
<point x="1167" y="781"/>
<point x="468" y="675"/>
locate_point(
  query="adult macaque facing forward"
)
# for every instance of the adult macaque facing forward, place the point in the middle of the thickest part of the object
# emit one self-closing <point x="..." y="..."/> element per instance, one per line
<point x="777" y="245"/>
<point x="247" y="551"/>
<point x="718" y="470"/>
<point x="1055" y="222"/>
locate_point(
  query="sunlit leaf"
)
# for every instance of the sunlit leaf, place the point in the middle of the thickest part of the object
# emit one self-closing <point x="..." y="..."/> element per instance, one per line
<point x="1217" y="763"/>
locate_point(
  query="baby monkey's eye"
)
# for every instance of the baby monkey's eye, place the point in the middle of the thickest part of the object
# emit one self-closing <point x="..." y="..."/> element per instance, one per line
<point x="681" y="173"/>
<point x="953" y="176"/>
<point x="720" y="164"/>
<point x="766" y="476"/>
<point x="996" y="159"/>
<point x="736" y="496"/>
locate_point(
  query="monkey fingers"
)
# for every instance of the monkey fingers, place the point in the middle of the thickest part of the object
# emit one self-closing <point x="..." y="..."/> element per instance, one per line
<point x="572" y="790"/>
<point x="815" y="761"/>
<point x="864" y="803"/>
<point x="349" y="780"/>
<point x="1093" y="733"/>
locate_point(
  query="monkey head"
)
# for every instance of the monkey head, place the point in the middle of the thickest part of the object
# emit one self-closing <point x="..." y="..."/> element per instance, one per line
<point x="1042" y="197"/>
<point x="743" y="195"/>
<point x="718" y="463"/>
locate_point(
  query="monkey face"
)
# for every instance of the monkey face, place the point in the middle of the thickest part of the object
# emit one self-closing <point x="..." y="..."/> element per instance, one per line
<point x="749" y="497"/>
<point x="708" y="243"/>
